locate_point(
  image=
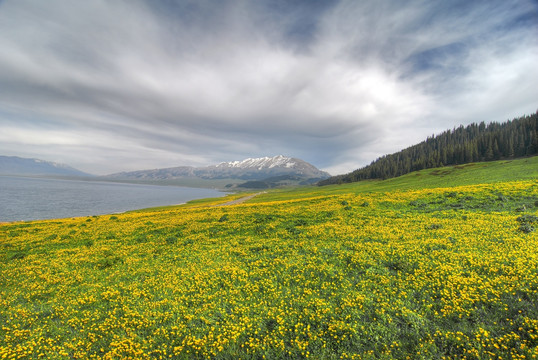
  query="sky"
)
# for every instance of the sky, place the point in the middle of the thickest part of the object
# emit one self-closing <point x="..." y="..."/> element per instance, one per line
<point x="118" y="85"/>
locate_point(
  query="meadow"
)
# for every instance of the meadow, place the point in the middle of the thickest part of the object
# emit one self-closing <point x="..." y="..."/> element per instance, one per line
<point x="430" y="266"/>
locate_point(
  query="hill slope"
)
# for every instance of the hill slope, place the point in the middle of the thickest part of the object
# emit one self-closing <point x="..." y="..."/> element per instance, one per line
<point x="14" y="165"/>
<point x="476" y="142"/>
<point x="443" y="177"/>
<point x="448" y="272"/>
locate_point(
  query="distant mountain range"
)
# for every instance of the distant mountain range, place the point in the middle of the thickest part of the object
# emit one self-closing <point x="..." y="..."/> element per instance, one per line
<point x="263" y="172"/>
<point x="266" y="169"/>
<point x="14" y="165"/>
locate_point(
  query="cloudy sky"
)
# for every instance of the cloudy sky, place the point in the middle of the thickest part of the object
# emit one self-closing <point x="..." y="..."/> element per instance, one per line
<point x="115" y="85"/>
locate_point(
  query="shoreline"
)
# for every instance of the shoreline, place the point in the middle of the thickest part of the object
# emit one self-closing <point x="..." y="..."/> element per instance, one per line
<point x="228" y="203"/>
<point x="37" y="199"/>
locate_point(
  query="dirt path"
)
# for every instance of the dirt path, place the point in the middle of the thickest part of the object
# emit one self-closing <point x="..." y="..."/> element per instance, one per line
<point x="240" y="200"/>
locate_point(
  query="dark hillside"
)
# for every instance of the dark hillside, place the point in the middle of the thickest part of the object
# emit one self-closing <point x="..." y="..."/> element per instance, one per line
<point x="462" y="145"/>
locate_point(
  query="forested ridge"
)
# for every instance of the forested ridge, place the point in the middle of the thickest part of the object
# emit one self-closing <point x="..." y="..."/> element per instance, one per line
<point x="472" y="143"/>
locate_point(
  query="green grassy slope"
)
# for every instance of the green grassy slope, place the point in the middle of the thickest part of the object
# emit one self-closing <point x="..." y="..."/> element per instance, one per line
<point x="449" y="176"/>
<point x="425" y="266"/>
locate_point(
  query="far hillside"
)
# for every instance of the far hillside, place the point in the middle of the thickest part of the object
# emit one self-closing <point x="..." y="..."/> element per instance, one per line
<point x="462" y="145"/>
<point x="17" y="166"/>
<point x="491" y="172"/>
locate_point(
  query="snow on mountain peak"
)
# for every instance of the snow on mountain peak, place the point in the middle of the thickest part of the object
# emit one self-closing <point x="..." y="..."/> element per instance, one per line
<point x="261" y="163"/>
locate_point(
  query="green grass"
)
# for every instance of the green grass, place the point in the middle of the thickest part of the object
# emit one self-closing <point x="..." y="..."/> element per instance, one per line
<point x="425" y="266"/>
<point x="449" y="176"/>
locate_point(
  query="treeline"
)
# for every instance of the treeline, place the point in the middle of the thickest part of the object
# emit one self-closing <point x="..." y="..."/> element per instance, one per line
<point x="473" y="143"/>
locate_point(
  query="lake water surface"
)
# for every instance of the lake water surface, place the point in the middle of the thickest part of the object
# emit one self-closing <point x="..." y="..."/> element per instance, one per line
<point x="24" y="198"/>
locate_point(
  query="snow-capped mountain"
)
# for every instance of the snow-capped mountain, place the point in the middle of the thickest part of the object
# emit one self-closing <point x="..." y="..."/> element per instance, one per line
<point x="262" y="163"/>
<point x="248" y="169"/>
<point x="14" y="165"/>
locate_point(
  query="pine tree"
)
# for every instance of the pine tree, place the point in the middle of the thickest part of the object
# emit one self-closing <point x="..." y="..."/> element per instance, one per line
<point x="496" y="151"/>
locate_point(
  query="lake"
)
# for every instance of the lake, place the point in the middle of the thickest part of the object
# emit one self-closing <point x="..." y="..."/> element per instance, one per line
<point x="25" y="198"/>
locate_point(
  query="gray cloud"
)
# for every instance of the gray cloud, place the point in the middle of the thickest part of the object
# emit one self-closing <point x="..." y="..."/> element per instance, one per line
<point x="123" y="85"/>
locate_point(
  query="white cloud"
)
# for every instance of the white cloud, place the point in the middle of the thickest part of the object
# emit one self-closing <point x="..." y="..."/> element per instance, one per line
<point x="136" y="84"/>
